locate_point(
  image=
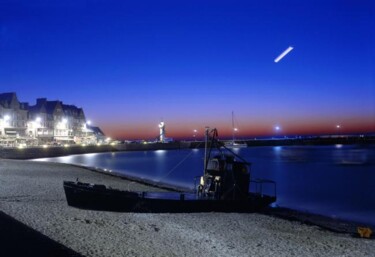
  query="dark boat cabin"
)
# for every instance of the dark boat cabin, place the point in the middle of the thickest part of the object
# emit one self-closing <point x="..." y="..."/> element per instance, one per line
<point x="225" y="179"/>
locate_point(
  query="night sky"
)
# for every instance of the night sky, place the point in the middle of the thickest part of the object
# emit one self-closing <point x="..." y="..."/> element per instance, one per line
<point x="131" y="64"/>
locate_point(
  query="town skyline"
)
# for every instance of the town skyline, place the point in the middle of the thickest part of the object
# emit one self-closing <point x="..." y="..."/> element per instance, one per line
<point x="12" y="107"/>
<point x="190" y="64"/>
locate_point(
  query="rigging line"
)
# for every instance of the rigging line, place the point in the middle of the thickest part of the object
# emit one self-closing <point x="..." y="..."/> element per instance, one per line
<point x="236" y="122"/>
<point x="239" y="157"/>
<point x="218" y="144"/>
<point x="178" y="164"/>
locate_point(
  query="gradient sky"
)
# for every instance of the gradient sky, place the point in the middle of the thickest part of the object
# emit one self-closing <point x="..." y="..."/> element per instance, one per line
<point x="131" y="64"/>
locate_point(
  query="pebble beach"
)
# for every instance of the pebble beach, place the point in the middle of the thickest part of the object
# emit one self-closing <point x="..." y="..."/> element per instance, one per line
<point x="32" y="193"/>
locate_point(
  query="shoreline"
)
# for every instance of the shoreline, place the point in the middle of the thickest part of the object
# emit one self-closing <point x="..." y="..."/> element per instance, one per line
<point x="56" y="151"/>
<point x="32" y="193"/>
<point x="325" y="222"/>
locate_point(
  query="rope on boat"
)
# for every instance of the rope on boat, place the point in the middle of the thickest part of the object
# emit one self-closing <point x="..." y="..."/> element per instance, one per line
<point x="213" y="140"/>
<point x="239" y="157"/>
<point x="178" y="164"/>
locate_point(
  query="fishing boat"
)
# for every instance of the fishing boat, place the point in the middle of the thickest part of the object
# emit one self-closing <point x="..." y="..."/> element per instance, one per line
<point x="223" y="187"/>
<point x="233" y="143"/>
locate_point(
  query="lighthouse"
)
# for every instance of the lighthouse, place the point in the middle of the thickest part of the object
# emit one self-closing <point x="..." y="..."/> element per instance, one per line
<point x="162" y="132"/>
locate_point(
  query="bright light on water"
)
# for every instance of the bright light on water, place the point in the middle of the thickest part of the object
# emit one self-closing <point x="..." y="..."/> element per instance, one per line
<point x="160" y="152"/>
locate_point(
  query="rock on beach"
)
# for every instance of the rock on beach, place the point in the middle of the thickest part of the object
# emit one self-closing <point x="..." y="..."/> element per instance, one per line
<point x="32" y="193"/>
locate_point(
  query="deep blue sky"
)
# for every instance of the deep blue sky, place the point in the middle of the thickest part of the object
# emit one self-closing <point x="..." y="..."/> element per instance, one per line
<point x="129" y="64"/>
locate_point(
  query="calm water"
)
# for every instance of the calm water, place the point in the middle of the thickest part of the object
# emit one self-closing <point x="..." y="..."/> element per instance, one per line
<point x="338" y="181"/>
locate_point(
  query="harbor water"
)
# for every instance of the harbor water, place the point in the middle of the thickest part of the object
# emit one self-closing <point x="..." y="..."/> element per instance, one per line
<point x="336" y="181"/>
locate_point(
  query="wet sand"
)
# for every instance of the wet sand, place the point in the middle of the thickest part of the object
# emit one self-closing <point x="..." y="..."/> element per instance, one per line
<point x="32" y="193"/>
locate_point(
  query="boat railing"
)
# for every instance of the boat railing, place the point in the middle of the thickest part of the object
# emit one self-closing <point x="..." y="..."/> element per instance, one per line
<point x="261" y="185"/>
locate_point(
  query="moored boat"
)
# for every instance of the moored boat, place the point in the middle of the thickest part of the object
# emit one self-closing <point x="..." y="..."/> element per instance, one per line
<point x="99" y="197"/>
<point x="224" y="187"/>
<point x="233" y="143"/>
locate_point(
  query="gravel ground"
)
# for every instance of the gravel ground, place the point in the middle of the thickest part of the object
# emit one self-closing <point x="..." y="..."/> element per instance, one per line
<point x="32" y="193"/>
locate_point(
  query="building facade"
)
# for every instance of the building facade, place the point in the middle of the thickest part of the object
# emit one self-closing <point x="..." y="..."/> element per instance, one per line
<point x="13" y="118"/>
<point x="42" y="123"/>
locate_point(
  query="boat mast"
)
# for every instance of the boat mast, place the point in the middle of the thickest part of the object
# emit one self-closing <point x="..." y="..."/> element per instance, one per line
<point x="232" y="127"/>
<point x="205" y="150"/>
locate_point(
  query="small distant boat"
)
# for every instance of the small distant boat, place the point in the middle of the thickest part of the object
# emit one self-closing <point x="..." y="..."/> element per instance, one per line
<point x="233" y="144"/>
<point x="224" y="187"/>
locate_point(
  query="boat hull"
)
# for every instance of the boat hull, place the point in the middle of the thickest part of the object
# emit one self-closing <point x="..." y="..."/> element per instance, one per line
<point x="99" y="197"/>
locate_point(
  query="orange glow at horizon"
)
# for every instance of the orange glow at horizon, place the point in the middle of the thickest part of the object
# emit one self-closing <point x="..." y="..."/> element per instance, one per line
<point x="180" y="130"/>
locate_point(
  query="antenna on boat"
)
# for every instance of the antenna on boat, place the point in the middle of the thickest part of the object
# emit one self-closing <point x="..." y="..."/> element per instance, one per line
<point x="205" y="148"/>
<point x="233" y="129"/>
<point x="209" y="134"/>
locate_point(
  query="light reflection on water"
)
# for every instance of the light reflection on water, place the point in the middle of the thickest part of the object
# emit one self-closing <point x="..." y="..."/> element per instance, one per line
<point x="331" y="180"/>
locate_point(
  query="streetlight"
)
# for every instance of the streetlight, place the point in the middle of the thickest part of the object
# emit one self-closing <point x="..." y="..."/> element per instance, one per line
<point x="6" y="120"/>
<point x="87" y="129"/>
<point x="195" y="134"/>
<point x="63" y="128"/>
<point x="338" y="127"/>
<point x="235" y="130"/>
<point x="277" y="129"/>
<point x="36" y="126"/>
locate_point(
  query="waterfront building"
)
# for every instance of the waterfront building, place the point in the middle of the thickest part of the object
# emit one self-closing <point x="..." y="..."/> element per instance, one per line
<point x="13" y="117"/>
<point x="79" y="130"/>
<point x="43" y="123"/>
<point x="97" y="134"/>
<point x="59" y="122"/>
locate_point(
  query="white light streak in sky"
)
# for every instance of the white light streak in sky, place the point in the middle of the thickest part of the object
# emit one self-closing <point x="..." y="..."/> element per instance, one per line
<point x="281" y="56"/>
